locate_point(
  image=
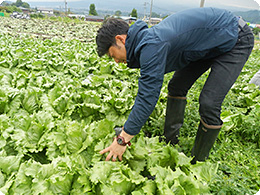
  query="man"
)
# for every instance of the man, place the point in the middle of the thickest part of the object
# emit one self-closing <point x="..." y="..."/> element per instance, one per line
<point x="189" y="42"/>
<point x="256" y="79"/>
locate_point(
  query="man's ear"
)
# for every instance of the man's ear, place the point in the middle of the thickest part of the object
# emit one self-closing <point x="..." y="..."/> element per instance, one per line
<point x="121" y="38"/>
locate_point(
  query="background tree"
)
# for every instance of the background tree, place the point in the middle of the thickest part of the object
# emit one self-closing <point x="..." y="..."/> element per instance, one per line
<point x="92" y="10"/>
<point x="10" y="9"/>
<point x="69" y="11"/>
<point x="118" y="13"/>
<point x="19" y="3"/>
<point x="25" y="5"/>
<point x="57" y="13"/>
<point x="4" y="3"/>
<point x="106" y="17"/>
<point x="134" y="13"/>
<point x="165" y="16"/>
<point x="155" y="15"/>
<point x="256" y="31"/>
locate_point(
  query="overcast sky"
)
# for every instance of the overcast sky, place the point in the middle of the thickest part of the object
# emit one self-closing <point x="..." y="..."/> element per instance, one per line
<point x="258" y="1"/>
<point x="183" y="1"/>
<point x="250" y="4"/>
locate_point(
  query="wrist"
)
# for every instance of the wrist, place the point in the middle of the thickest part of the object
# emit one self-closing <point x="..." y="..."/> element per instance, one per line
<point x="121" y="141"/>
<point x="126" y="136"/>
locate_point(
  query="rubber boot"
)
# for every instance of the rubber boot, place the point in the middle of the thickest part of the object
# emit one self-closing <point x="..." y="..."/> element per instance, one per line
<point x="174" y="118"/>
<point x="204" y="141"/>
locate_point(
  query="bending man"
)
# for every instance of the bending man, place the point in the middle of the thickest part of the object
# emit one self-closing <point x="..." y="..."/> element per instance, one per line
<point x="190" y="43"/>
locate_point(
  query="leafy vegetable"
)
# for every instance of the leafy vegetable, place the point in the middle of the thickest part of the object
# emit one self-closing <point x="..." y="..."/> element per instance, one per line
<point x="59" y="104"/>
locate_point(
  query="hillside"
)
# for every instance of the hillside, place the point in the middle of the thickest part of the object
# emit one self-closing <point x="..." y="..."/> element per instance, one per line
<point x="252" y="16"/>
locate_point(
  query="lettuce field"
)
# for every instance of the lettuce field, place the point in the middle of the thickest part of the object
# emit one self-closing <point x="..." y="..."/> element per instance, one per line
<point x="60" y="102"/>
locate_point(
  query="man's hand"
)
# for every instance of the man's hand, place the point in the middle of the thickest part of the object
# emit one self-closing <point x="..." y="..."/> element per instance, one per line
<point x="115" y="150"/>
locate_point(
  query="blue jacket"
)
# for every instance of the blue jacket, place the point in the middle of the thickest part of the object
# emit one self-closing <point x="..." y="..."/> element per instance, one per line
<point x="181" y="38"/>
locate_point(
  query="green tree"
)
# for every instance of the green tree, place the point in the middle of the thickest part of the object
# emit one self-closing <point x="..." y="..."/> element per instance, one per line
<point x="118" y="13"/>
<point x="5" y="3"/>
<point x="134" y="13"/>
<point x="56" y="13"/>
<point x="256" y="31"/>
<point x="25" y="5"/>
<point x="19" y="3"/>
<point x="106" y="17"/>
<point x="92" y="10"/>
<point x="11" y="9"/>
<point x="155" y="15"/>
<point x="69" y="11"/>
<point x="165" y="16"/>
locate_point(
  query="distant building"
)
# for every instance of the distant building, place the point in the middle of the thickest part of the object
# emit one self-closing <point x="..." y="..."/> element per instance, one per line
<point x="45" y="11"/>
<point x="128" y="19"/>
<point x="254" y="25"/>
<point x="25" y="10"/>
<point x="18" y="15"/>
<point x="94" y="18"/>
<point x="76" y="16"/>
<point x="153" y="21"/>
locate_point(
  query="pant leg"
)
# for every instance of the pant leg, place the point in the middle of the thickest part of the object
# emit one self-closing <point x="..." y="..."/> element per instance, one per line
<point x="224" y="71"/>
<point x="183" y="79"/>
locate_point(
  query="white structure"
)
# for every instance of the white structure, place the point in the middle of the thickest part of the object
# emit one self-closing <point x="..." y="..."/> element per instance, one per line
<point x="128" y="19"/>
<point x="76" y="16"/>
<point x="45" y="10"/>
<point x="153" y="21"/>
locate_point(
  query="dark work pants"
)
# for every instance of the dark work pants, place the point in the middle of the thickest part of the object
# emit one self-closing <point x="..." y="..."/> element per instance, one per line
<point x="224" y="71"/>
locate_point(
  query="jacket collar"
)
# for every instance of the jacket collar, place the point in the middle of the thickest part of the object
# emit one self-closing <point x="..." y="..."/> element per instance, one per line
<point x="132" y="42"/>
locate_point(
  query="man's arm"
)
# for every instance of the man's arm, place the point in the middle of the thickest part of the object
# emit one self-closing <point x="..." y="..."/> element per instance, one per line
<point x="153" y="62"/>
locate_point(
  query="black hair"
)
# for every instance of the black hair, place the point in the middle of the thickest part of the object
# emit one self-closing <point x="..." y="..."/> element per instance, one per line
<point x="106" y="34"/>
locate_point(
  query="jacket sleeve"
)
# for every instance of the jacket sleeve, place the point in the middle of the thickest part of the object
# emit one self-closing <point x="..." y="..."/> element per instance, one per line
<point x="152" y="68"/>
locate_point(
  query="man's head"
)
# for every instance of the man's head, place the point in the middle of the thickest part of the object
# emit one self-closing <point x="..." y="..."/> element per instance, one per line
<point x="111" y="39"/>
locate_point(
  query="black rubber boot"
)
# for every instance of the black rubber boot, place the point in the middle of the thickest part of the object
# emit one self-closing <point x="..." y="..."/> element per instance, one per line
<point x="204" y="141"/>
<point x="174" y="118"/>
